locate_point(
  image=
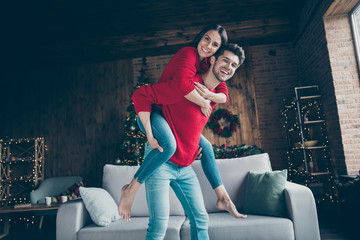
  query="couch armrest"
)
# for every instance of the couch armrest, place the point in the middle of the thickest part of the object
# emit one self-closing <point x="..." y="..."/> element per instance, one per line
<point x="301" y="207"/>
<point x="71" y="217"/>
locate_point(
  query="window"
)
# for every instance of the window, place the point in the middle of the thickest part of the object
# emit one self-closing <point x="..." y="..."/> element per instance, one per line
<point x="355" y="23"/>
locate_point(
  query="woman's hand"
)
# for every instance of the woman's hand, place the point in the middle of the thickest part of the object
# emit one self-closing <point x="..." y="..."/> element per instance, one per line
<point x="203" y="91"/>
<point x="199" y="155"/>
<point x="154" y="144"/>
<point x="145" y="120"/>
<point x="206" y="108"/>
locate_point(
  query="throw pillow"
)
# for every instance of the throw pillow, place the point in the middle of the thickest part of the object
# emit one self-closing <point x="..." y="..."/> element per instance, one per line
<point x="100" y="205"/>
<point x="264" y="193"/>
<point x="71" y="193"/>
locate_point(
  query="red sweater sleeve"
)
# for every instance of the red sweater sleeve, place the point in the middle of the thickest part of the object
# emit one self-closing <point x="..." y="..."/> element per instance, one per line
<point x="185" y="65"/>
<point x="222" y="88"/>
<point x="158" y="93"/>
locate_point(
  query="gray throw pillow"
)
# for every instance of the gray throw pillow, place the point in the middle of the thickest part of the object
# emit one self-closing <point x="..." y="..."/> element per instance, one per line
<point x="100" y="205"/>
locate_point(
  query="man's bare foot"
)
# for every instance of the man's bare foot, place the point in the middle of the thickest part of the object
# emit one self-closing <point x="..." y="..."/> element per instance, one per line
<point x="126" y="201"/>
<point x="228" y="205"/>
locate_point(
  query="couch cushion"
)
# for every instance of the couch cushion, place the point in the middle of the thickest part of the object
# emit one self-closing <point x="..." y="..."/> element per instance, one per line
<point x="136" y="229"/>
<point x="225" y="226"/>
<point x="233" y="172"/>
<point x="265" y="193"/>
<point x="115" y="177"/>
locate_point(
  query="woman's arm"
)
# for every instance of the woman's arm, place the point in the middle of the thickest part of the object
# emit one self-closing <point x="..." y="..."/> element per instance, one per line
<point x="196" y="98"/>
<point x="183" y="69"/>
<point x="145" y="120"/>
<point x="205" y="93"/>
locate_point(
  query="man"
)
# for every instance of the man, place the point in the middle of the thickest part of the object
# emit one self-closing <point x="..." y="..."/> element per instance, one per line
<point x="186" y="122"/>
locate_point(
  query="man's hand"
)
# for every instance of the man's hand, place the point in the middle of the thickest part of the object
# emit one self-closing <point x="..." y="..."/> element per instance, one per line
<point x="199" y="155"/>
<point x="154" y="144"/>
<point x="206" y="108"/>
<point x="203" y="91"/>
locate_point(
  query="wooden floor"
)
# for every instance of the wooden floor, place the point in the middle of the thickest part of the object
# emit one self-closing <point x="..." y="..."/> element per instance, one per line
<point x="330" y="233"/>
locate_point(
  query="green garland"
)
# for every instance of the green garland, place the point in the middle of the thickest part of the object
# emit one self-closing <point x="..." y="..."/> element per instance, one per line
<point x="214" y="125"/>
<point x="235" y="151"/>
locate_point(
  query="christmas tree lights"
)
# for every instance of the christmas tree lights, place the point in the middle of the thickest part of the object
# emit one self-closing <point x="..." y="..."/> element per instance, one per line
<point x="132" y="146"/>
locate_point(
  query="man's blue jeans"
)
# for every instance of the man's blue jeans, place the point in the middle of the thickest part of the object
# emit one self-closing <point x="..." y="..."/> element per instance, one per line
<point x="186" y="186"/>
<point x="166" y="139"/>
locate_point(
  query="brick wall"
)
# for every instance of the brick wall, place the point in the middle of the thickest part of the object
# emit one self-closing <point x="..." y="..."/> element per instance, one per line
<point x="347" y="86"/>
<point x="314" y="68"/>
<point x="154" y="67"/>
<point x="275" y="77"/>
<point x="325" y="56"/>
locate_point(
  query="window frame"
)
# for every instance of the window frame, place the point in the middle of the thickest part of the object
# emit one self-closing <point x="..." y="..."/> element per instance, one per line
<point x="355" y="32"/>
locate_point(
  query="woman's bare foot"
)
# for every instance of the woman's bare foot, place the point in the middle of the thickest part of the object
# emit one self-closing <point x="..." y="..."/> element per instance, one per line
<point x="126" y="201"/>
<point x="128" y="193"/>
<point x="224" y="202"/>
<point x="228" y="205"/>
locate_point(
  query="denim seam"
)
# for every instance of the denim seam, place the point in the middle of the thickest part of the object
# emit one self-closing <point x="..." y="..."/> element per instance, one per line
<point x="187" y="202"/>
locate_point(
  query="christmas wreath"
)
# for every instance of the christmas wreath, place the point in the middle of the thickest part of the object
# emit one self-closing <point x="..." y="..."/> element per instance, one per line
<point x="232" y="122"/>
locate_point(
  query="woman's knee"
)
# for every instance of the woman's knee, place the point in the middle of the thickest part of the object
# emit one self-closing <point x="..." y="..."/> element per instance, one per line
<point x="169" y="146"/>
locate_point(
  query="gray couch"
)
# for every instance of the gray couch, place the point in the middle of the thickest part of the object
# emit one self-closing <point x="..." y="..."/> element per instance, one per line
<point x="74" y="222"/>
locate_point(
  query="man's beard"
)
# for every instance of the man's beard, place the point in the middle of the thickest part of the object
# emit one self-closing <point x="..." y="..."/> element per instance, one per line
<point x="217" y="74"/>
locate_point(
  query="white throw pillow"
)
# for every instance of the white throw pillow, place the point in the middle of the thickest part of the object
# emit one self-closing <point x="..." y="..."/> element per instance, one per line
<point x="100" y="205"/>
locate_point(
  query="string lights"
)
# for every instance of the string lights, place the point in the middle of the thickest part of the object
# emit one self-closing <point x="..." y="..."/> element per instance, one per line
<point x="311" y="166"/>
<point x="131" y="150"/>
<point x="21" y="167"/>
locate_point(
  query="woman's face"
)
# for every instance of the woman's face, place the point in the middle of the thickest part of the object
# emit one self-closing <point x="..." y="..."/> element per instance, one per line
<point x="209" y="44"/>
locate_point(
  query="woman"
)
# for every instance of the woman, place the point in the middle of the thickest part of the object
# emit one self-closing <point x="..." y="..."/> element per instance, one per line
<point x="179" y="74"/>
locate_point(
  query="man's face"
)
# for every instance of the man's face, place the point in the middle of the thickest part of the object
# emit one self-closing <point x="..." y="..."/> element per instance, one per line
<point x="225" y="66"/>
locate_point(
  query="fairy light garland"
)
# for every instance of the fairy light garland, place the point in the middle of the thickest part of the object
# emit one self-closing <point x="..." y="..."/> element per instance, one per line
<point x="310" y="113"/>
<point x="14" y="153"/>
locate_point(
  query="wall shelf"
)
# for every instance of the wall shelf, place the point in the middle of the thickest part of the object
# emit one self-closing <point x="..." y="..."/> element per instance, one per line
<point x="314" y="122"/>
<point x="305" y="121"/>
<point x="21" y="168"/>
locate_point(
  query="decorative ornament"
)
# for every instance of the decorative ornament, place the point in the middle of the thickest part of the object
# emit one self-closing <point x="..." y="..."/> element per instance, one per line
<point x="137" y="152"/>
<point x="118" y="160"/>
<point x="132" y="128"/>
<point x="223" y="123"/>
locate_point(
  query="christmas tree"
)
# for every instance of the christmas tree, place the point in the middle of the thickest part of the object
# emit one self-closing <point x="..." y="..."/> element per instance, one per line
<point x="133" y="142"/>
